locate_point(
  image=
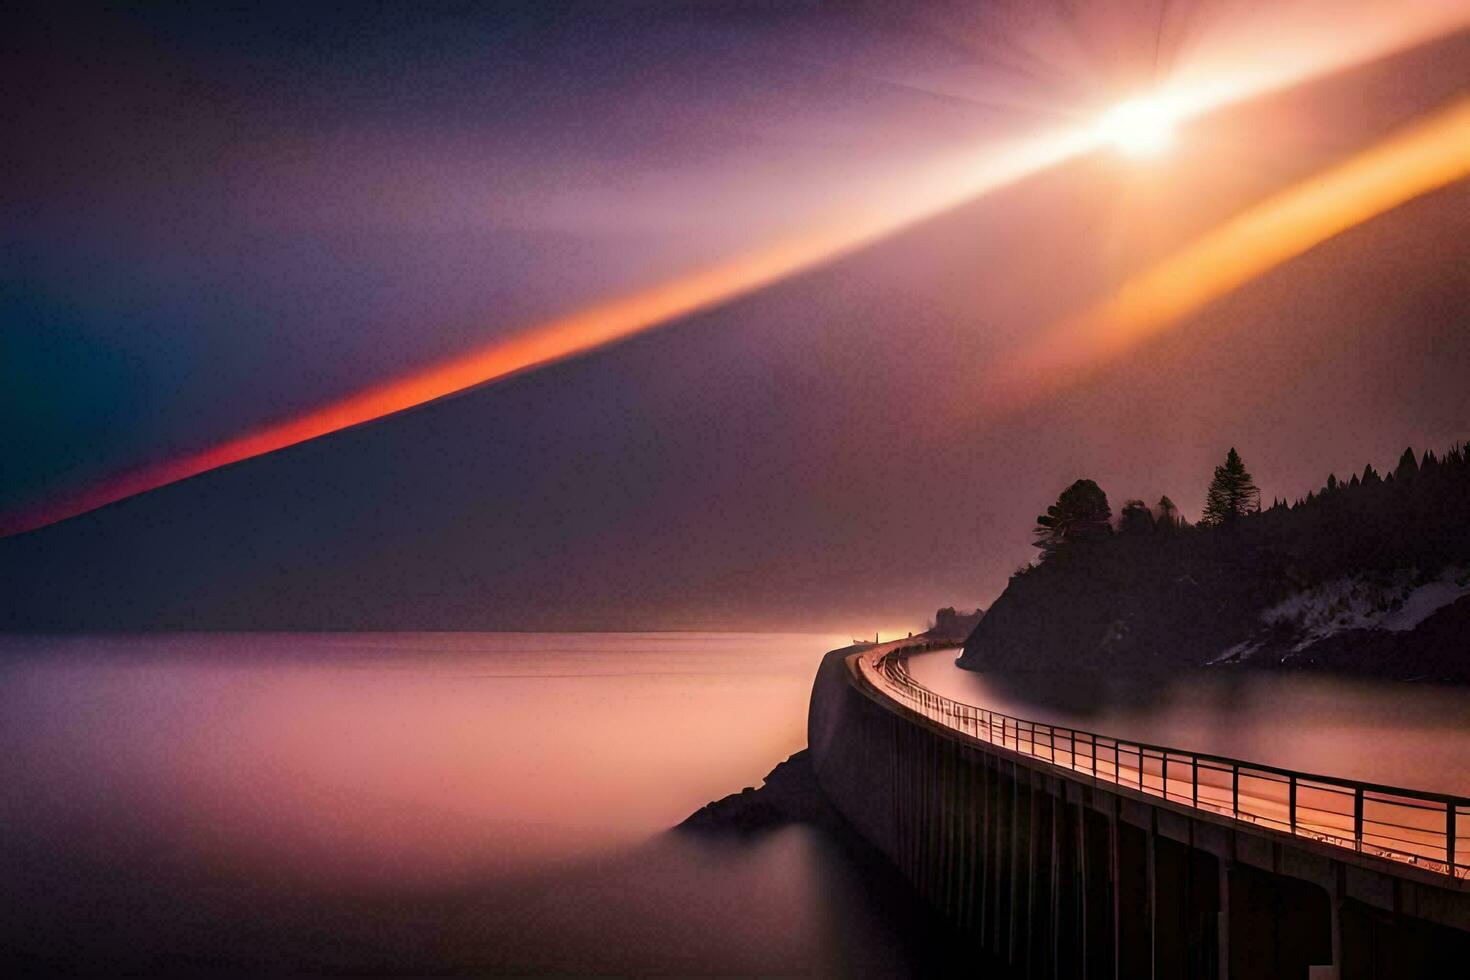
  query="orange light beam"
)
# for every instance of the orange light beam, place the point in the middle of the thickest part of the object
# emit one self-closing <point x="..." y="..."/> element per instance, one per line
<point x="958" y="179"/>
<point x="926" y="192"/>
<point x="1430" y="154"/>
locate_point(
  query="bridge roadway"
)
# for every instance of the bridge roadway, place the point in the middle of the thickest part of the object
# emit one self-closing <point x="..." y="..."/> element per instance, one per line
<point x="1067" y="853"/>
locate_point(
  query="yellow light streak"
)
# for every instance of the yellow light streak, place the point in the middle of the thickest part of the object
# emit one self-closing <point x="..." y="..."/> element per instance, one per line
<point x="1430" y="154"/>
<point x="1143" y="306"/>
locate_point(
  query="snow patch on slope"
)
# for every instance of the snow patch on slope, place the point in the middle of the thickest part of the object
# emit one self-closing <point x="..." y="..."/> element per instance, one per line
<point x="1241" y="651"/>
<point x="1397" y="602"/>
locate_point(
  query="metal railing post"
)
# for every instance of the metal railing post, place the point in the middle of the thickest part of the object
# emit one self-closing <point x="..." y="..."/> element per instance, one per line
<point x="1449" y="837"/>
<point x="1291" y="802"/>
<point x="1358" y="817"/>
<point x="1235" y="790"/>
<point x="1194" y="779"/>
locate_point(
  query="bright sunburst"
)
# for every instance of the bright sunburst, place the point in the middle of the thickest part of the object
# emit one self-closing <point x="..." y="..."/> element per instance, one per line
<point x="1140" y="127"/>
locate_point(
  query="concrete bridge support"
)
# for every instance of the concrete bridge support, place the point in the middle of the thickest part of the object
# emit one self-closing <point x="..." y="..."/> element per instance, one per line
<point x="1061" y="878"/>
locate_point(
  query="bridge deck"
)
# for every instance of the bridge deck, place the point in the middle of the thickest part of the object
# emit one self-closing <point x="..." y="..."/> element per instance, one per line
<point x="1426" y="830"/>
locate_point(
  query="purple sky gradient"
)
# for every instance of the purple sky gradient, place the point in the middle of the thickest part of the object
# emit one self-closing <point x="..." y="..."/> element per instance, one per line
<point x="218" y="220"/>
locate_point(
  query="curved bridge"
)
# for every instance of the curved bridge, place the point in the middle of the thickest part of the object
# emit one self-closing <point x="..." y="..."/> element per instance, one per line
<point x="1067" y="853"/>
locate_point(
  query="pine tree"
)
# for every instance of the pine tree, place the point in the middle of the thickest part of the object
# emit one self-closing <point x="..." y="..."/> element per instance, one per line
<point x="1408" y="467"/>
<point x="1080" y="514"/>
<point x="1232" y="493"/>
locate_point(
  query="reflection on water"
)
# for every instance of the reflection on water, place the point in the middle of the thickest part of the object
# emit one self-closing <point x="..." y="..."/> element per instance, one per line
<point x="416" y="801"/>
<point x="1408" y="735"/>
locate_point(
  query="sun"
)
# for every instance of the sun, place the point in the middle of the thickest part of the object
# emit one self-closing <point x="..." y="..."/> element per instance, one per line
<point x="1140" y="127"/>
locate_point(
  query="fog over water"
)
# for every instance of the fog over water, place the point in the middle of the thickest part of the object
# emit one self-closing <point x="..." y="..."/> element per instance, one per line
<point x="416" y="802"/>
<point x="500" y="802"/>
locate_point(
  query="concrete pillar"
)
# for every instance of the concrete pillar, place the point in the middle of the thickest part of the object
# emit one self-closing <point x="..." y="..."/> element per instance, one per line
<point x="1099" y="893"/>
<point x="1153" y="891"/>
<point x="1069" y="947"/>
<point x="1135" y="917"/>
<point x="987" y="864"/>
<point x="1039" y="927"/>
<point x="1021" y="870"/>
<point x="987" y="837"/>
<point x="1005" y="855"/>
<point x="1117" y="889"/>
<point x="1084" y="871"/>
<point x="1339" y="890"/>
<point x="1223" y="917"/>
<point x="1279" y="926"/>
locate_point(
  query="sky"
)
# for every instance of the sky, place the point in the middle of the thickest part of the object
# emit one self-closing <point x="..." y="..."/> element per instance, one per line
<point x="903" y="295"/>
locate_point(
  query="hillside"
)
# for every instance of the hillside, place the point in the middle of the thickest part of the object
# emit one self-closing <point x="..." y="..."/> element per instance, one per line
<point x="1368" y="576"/>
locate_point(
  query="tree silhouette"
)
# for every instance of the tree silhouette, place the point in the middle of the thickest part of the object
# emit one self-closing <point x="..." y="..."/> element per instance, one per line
<point x="1232" y="493"/>
<point x="1168" y="515"/>
<point x="1080" y="514"/>
<point x="1135" y="519"/>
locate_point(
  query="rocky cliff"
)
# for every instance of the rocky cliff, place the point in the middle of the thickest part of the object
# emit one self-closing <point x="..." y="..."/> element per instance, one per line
<point x="1371" y="576"/>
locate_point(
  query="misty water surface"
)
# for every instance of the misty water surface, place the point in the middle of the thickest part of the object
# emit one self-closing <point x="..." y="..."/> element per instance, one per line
<point x="417" y="802"/>
<point x="1415" y="736"/>
<point x="499" y="802"/>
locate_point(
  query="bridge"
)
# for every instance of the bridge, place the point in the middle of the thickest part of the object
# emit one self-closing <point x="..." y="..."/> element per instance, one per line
<point x="1067" y="853"/>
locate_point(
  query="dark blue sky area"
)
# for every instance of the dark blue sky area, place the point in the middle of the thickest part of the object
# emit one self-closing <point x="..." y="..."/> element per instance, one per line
<point x="217" y="216"/>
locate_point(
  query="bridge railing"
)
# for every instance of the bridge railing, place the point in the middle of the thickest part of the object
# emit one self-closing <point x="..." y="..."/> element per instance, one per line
<point x="1428" y="830"/>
